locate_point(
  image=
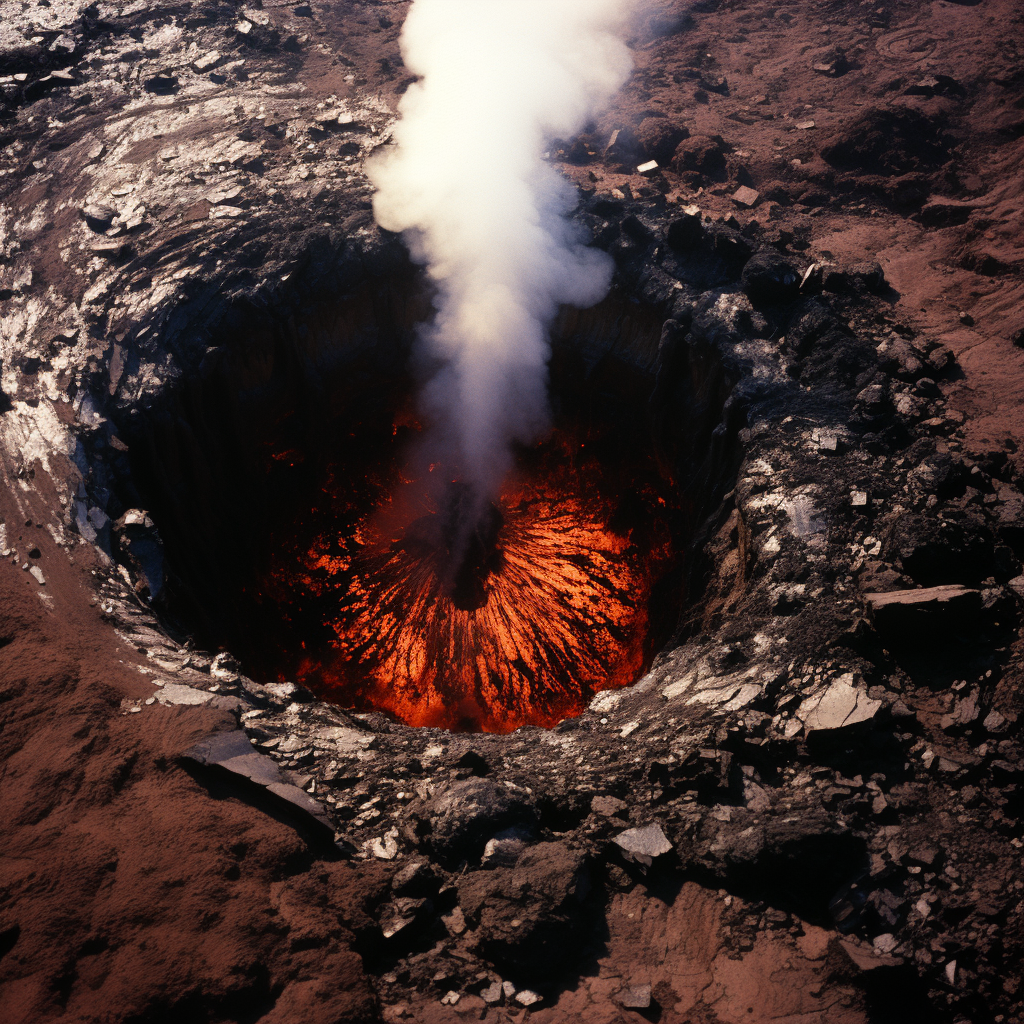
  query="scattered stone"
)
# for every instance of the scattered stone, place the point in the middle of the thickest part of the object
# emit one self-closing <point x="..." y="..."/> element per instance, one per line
<point x="927" y="855"/>
<point x="636" y="997"/>
<point x="746" y="196"/>
<point x="225" y="667"/>
<point x="455" y="922"/>
<point x="527" y="997"/>
<point x="644" y="844"/>
<point x="207" y="62"/>
<point x="384" y="847"/>
<point x="109" y="249"/>
<point x="225" y="195"/>
<point x="866" y="958"/>
<point x="416" y="878"/>
<point x="811" y="279"/>
<point x="98" y="215"/>
<point x="805" y="125"/>
<point x="37" y="574"/>
<point x="840" y="706"/>
<point x="964" y="713"/>
<point x="492" y="994"/>
<point x="400" y="914"/>
<point x="609" y="806"/>
<point x="648" y="169"/>
<point x="872" y="395"/>
<point x="505" y="848"/>
<point x="995" y="722"/>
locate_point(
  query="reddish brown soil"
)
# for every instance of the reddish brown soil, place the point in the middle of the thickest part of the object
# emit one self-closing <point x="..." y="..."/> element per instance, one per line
<point x="766" y="55"/>
<point x="127" y="889"/>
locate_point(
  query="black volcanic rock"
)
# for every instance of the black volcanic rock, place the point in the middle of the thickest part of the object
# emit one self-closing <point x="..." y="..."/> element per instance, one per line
<point x="770" y="278"/>
<point x="469" y="813"/>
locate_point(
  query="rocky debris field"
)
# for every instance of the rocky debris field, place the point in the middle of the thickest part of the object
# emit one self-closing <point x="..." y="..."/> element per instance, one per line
<point x="808" y="809"/>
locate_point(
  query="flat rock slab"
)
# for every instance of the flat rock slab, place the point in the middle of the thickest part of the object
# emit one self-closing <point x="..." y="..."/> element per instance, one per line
<point x="233" y="752"/>
<point x="643" y="844"/>
<point x="298" y="797"/>
<point x="918" y="598"/>
<point x="176" y="693"/>
<point x="841" y="705"/>
<point x="913" y="610"/>
<point x="866" y="958"/>
<point x="745" y="196"/>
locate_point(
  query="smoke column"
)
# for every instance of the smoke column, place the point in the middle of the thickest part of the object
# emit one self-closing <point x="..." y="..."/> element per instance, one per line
<point x="468" y="185"/>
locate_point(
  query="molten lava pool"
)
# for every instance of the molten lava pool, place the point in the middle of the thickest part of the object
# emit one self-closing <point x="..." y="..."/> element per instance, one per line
<point x="546" y="604"/>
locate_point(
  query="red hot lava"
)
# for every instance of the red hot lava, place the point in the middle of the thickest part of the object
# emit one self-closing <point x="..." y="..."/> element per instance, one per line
<point x="542" y="606"/>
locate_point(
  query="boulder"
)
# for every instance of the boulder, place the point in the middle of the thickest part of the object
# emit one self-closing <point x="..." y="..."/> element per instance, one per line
<point x="643" y="844"/>
<point x="687" y="231"/>
<point x="469" y="813"/>
<point x="624" y="148"/>
<point x="660" y="136"/>
<point x="636" y="997"/>
<point x="704" y="154"/>
<point x="769" y="277"/>
<point x="839" y="706"/>
<point x="523" y="918"/>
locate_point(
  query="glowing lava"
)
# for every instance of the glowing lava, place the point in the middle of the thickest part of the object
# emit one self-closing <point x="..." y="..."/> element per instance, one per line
<point x="547" y="607"/>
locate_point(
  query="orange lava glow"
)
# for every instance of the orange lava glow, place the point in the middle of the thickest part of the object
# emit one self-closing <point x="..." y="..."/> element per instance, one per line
<point x="560" y="611"/>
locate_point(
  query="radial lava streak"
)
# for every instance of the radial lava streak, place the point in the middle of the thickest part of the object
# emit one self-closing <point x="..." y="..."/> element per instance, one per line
<point x="546" y="605"/>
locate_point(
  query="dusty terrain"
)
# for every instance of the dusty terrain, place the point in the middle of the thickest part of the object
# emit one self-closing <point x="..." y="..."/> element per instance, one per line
<point x="809" y="809"/>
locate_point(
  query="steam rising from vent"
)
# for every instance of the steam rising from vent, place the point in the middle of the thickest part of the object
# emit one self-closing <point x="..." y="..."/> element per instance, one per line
<point x="468" y="185"/>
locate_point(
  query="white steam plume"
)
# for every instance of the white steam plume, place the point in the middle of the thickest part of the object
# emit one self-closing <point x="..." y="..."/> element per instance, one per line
<point x="468" y="185"/>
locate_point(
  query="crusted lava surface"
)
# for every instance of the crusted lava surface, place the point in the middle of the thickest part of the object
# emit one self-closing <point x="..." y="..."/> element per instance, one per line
<point x="807" y="807"/>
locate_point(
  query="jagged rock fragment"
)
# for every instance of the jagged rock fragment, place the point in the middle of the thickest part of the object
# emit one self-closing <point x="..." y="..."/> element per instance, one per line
<point x="643" y="844"/>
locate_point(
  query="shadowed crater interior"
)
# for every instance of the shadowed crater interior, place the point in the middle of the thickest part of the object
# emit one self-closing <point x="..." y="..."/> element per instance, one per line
<point x="310" y="525"/>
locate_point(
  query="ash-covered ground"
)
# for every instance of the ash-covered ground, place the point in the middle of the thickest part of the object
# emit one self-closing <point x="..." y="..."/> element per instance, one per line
<point x="808" y="810"/>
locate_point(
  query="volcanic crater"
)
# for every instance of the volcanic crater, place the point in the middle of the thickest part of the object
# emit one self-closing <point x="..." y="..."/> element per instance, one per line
<point x="306" y="527"/>
<point x="739" y="735"/>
